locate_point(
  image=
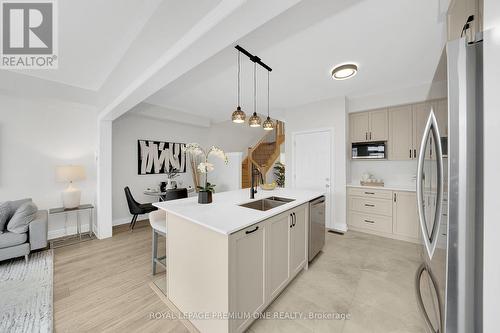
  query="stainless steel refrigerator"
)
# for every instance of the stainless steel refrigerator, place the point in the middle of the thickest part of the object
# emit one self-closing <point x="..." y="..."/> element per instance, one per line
<point x="448" y="283"/>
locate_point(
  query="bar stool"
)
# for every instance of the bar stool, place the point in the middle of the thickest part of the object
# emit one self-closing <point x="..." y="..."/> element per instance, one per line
<point x="158" y="221"/>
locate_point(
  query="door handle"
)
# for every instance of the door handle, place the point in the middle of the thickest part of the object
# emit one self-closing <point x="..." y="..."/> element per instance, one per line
<point x="250" y="231"/>
<point x="430" y="238"/>
<point x="420" y="302"/>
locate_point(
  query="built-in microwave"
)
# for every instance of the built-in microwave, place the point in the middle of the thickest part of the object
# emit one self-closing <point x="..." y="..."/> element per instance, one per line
<point x="368" y="150"/>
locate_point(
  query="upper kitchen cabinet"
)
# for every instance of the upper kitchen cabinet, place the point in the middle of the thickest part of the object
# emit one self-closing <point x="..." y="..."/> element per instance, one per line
<point x="440" y="108"/>
<point x="369" y="126"/>
<point x="407" y="125"/>
<point x="378" y="125"/>
<point x="400" y="133"/>
<point x="421" y="112"/>
<point x="359" y="126"/>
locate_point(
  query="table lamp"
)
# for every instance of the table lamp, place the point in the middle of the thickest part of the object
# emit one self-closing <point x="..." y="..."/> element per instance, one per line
<point x="70" y="173"/>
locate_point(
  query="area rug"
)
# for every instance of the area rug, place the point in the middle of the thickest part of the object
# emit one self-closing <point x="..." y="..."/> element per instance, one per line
<point x="26" y="294"/>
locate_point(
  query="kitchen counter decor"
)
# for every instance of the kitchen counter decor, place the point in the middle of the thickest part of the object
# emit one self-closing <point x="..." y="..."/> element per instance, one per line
<point x="204" y="167"/>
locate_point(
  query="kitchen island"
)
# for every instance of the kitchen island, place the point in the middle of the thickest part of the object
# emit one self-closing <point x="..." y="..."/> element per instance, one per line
<point x="227" y="262"/>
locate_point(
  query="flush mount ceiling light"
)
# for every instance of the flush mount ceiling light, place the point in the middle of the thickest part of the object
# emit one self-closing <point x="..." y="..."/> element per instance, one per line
<point x="268" y="124"/>
<point x="254" y="120"/>
<point x="238" y="116"/>
<point x="344" y="72"/>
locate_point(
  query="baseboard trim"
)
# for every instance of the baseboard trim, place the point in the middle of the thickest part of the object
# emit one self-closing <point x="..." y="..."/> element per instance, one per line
<point x="342" y="228"/>
<point x="126" y="220"/>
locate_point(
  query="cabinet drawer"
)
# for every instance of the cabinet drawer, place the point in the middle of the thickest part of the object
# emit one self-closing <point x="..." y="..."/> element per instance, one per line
<point x="371" y="206"/>
<point x="371" y="222"/>
<point x="371" y="193"/>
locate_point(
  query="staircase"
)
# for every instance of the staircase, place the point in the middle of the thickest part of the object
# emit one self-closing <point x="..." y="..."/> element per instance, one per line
<point x="263" y="154"/>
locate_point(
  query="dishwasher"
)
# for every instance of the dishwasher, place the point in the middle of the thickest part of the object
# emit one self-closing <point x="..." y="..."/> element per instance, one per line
<point x="316" y="226"/>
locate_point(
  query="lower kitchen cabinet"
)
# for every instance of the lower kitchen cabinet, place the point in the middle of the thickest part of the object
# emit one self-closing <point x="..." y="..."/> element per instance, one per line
<point x="385" y="213"/>
<point x="265" y="257"/>
<point x="298" y="250"/>
<point x="248" y="267"/>
<point x="405" y="215"/>
<point x="278" y="246"/>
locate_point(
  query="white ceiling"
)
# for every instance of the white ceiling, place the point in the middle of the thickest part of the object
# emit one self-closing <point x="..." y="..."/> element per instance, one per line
<point x="103" y="40"/>
<point x="396" y="43"/>
<point x="93" y="35"/>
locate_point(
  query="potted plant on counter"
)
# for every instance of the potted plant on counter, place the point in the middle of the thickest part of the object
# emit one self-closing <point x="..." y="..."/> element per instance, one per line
<point x="204" y="167"/>
<point x="279" y="172"/>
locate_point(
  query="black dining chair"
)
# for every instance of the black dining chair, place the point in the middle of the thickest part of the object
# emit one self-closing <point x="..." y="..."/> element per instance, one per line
<point x="136" y="208"/>
<point x="174" y="194"/>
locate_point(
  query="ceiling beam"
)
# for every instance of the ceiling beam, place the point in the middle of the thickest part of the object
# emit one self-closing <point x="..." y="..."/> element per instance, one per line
<point x="229" y="21"/>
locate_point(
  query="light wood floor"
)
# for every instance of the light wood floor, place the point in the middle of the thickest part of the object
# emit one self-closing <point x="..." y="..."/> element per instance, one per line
<point x="103" y="285"/>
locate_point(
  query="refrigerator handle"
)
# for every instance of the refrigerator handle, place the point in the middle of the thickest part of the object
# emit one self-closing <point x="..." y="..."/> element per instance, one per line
<point x="430" y="238"/>
<point x="420" y="302"/>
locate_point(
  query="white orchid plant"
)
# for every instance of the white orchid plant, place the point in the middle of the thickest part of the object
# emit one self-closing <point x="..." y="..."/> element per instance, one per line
<point x="205" y="167"/>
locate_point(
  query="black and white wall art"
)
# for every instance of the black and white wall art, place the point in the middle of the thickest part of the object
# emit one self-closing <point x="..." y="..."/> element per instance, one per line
<point x="155" y="157"/>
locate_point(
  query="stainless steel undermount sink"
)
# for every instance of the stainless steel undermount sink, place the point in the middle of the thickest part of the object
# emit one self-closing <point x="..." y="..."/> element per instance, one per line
<point x="266" y="203"/>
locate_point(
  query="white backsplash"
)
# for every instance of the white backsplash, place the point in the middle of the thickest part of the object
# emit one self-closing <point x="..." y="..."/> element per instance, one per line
<point x="393" y="173"/>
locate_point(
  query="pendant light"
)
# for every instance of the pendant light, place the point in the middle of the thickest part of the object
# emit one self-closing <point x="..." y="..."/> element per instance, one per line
<point x="238" y="116"/>
<point x="268" y="124"/>
<point x="254" y="120"/>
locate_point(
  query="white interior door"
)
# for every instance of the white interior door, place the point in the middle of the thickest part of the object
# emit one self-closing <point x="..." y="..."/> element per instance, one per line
<point x="312" y="165"/>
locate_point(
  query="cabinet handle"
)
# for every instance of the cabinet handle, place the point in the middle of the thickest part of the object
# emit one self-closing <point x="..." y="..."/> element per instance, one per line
<point x="369" y="205"/>
<point x="369" y="193"/>
<point x="250" y="231"/>
<point x="370" y="135"/>
<point x="368" y="221"/>
<point x="394" y="197"/>
<point x="414" y="153"/>
<point x="366" y="136"/>
<point x="291" y="221"/>
<point x="410" y="153"/>
<point x="294" y="219"/>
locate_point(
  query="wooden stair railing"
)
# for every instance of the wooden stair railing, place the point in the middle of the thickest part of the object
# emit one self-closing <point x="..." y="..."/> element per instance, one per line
<point x="263" y="154"/>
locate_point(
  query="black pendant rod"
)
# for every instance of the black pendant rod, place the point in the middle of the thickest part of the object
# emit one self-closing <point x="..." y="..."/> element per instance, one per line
<point x="253" y="58"/>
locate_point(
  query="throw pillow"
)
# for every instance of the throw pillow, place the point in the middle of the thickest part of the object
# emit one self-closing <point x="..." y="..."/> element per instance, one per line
<point x="23" y="216"/>
<point x="4" y="215"/>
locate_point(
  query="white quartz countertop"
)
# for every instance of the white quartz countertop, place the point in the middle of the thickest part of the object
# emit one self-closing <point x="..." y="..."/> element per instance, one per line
<point x="407" y="188"/>
<point x="224" y="215"/>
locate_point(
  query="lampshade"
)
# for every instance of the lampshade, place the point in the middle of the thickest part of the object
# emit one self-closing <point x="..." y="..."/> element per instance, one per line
<point x="254" y="120"/>
<point x="70" y="173"/>
<point x="268" y="124"/>
<point x="238" y="116"/>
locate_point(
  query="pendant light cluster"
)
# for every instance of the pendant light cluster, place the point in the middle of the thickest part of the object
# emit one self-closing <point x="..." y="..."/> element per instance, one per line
<point x="238" y="115"/>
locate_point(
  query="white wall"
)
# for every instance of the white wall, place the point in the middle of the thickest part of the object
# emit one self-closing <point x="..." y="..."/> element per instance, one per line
<point x="398" y="97"/>
<point x="325" y="114"/>
<point x="234" y="137"/>
<point x="126" y="131"/>
<point x="226" y="177"/>
<point x="393" y="173"/>
<point x="36" y="135"/>
<point x="491" y="279"/>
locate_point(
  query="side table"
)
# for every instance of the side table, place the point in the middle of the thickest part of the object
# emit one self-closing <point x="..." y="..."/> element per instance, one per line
<point x="79" y="236"/>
